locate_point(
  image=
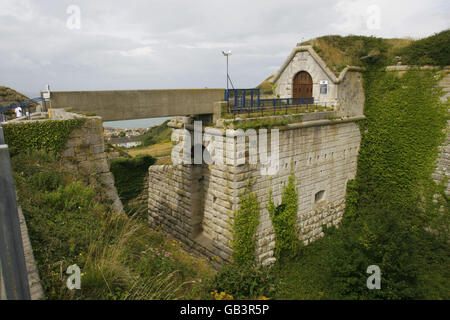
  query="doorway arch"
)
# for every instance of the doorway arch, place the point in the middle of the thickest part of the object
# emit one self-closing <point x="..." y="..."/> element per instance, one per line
<point x="302" y="85"/>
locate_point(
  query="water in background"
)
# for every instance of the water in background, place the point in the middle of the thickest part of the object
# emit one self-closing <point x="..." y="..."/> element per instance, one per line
<point x="136" y="123"/>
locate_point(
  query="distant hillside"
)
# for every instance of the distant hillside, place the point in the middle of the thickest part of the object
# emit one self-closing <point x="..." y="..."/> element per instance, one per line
<point x="266" y="86"/>
<point x="157" y="134"/>
<point x="9" y="96"/>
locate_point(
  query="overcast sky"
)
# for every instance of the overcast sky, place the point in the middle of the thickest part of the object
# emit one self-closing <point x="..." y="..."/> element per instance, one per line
<point x="177" y="43"/>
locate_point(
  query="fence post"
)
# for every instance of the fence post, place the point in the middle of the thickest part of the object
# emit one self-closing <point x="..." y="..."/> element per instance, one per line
<point x="2" y="137"/>
<point x="14" y="277"/>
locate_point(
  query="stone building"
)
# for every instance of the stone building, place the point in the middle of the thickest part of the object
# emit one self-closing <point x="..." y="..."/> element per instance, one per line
<point x="305" y="75"/>
<point x="196" y="203"/>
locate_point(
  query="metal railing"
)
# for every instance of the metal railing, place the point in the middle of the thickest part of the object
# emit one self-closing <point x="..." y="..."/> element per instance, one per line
<point x="250" y="101"/>
<point x="14" y="276"/>
<point x="24" y="105"/>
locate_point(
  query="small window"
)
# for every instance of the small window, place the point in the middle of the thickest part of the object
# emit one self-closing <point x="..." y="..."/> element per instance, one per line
<point x="319" y="196"/>
<point x="323" y="86"/>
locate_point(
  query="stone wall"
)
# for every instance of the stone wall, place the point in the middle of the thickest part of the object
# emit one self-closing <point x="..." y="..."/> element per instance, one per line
<point x="345" y="93"/>
<point x="84" y="155"/>
<point x="172" y="206"/>
<point x="323" y="159"/>
<point x="304" y="60"/>
<point x="196" y="203"/>
<point x="443" y="161"/>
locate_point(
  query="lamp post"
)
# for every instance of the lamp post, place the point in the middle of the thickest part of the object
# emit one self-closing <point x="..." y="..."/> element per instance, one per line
<point x="226" y="54"/>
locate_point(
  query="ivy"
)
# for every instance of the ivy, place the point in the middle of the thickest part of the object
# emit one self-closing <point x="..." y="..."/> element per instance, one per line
<point x="246" y="221"/>
<point x="284" y="220"/>
<point x="391" y="203"/>
<point x="50" y="135"/>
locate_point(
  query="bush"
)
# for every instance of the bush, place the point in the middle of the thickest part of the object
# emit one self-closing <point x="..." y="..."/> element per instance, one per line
<point x="119" y="256"/>
<point x="245" y="281"/>
<point x="129" y="175"/>
<point x="429" y="51"/>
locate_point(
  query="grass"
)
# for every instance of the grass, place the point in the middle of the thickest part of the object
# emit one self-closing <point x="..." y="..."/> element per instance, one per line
<point x="157" y="134"/>
<point x="120" y="256"/>
<point x="156" y="150"/>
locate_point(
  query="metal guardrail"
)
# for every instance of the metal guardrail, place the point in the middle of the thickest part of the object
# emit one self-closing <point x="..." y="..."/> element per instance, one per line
<point x="14" y="276"/>
<point x="24" y="105"/>
<point x="249" y="101"/>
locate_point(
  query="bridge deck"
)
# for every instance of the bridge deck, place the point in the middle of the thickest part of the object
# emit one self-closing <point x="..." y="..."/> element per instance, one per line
<point x="138" y="104"/>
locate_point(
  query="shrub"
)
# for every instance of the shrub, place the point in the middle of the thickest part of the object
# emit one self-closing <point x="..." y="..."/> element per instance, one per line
<point x="129" y="175"/>
<point x="429" y="51"/>
<point x="245" y="281"/>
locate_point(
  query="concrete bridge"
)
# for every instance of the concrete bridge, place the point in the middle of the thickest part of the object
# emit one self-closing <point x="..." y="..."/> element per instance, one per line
<point x="138" y="104"/>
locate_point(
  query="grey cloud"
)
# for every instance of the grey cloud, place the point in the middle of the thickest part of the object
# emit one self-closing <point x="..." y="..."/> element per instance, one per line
<point x="176" y="44"/>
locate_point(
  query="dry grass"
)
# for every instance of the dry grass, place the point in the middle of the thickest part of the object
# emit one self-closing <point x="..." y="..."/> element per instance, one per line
<point x="396" y="44"/>
<point x="335" y="58"/>
<point x="163" y="161"/>
<point x="156" y="150"/>
<point x="108" y="265"/>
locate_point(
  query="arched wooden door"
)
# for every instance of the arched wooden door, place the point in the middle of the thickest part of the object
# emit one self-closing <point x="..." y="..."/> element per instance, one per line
<point x="302" y="85"/>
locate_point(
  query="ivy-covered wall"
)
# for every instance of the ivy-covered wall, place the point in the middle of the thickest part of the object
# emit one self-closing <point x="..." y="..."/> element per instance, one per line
<point x="51" y="135"/>
<point x="246" y="221"/>
<point x="393" y="203"/>
<point x="284" y="220"/>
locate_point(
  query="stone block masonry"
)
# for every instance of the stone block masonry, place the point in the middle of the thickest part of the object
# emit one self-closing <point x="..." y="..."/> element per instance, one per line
<point x="196" y="203"/>
<point x="443" y="161"/>
<point x="84" y="154"/>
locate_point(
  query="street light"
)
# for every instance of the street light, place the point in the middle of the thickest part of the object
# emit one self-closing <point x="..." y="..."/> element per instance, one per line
<point x="226" y="54"/>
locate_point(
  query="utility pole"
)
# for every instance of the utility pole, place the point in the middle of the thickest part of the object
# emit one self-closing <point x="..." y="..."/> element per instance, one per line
<point x="227" y="54"/>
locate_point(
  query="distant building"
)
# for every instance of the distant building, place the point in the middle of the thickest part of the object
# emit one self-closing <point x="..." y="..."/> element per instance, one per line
<point x="126" y="142"/>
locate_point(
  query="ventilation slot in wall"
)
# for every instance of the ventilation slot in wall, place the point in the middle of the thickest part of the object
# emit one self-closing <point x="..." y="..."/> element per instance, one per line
<point x="319" y="196"/>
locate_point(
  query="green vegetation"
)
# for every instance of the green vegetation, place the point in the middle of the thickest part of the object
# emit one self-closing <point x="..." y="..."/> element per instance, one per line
<point x="119" y="256"/>
<point x="246" y="221"/>
<point x="396" y="216"/>
<point x="129" y="174"/>
<point x="339" y="52"/>
<point x="390" y="205"/>
<point x="39" y="135"/>
<point x="433" y="50"/>
<point x="157" y="134"/>
<point x="245" y="281"/>
<point x="266" y="87"/>
<point x="284" y="221"/>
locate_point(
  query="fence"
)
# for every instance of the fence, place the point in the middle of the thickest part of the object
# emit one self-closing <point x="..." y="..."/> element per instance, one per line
<point x="13" y="272"/>
<point x="24" y="105"/>
<point x="249" y="101"/>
